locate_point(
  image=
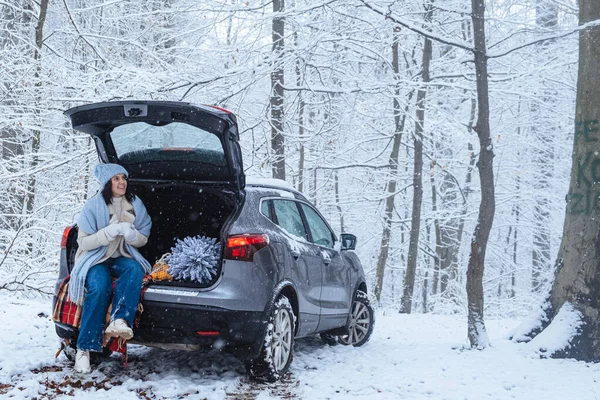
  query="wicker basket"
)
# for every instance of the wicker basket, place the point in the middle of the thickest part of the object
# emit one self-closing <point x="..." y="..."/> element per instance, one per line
<point x="159" y="270"/>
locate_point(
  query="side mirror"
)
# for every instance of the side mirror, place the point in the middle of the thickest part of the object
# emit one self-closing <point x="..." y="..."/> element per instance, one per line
<point x="348" y="241"/>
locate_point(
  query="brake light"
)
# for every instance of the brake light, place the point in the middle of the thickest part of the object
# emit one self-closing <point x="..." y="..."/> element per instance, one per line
<point x="207" y="333"/>
<point x="65" y="237"/>
<point x="219" y="108"/>
<point x="185" y="149"/>
<point x="243" y="247"/>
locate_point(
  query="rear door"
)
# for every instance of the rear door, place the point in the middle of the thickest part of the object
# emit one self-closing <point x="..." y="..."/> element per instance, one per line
<point x="307" y="274"/>
<point x="159" y="140"/>
<point x="336" y="274"/>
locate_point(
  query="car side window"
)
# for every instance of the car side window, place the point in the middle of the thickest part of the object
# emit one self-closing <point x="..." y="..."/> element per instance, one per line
<point x="321" y="234"/>
<point x="264" y="209"/>
<point x="288" y="217"/>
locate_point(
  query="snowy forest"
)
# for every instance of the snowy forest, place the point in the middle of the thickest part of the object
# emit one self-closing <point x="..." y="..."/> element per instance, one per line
<point x="367" y="107"/>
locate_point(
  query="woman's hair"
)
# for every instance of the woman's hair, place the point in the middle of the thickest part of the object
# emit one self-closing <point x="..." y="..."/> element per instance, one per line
<point x="107" y="192"/>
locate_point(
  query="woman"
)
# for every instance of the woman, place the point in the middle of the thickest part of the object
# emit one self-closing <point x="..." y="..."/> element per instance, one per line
<point x="112" y="225"/>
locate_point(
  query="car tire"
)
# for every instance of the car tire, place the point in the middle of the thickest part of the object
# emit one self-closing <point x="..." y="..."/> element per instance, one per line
<point x="276" y="352"/>
<point x="361" y="321"/>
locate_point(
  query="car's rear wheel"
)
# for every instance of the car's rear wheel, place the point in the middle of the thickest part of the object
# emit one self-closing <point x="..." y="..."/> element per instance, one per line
<point x="277" y="346"/>
<point x="361" y="321"/>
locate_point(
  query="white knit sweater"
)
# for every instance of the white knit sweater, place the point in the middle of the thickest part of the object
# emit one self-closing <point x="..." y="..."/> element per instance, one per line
<point x="120" y="210"/>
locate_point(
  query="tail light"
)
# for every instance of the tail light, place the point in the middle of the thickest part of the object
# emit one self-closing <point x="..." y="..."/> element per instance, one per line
<point x="65" y="237"/>
<point x="243" y="247"/>
<point x="207" y="333"/>
<point x="218" y="108"/>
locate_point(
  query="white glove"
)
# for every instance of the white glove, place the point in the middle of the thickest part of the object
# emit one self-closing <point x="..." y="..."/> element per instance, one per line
<point x="130" y="233"/>
<point x="113" y="230"/>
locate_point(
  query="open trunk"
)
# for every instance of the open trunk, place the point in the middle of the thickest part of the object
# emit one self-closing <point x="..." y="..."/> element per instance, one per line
<point x="184" y="161"/>
<point x="179" y="210"/>
<point x="165" y="140"/>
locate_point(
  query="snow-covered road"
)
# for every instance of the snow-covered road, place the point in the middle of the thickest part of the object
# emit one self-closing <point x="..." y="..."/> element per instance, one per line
<point x="408" y="357"/>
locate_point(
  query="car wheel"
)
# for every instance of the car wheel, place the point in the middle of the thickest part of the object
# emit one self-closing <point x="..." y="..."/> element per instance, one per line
<point x="277" y="345"/>
<point x="361" y="322"/>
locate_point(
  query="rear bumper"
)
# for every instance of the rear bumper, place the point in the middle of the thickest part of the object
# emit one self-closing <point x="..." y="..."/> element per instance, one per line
<point x="204" y="326"/>
<point x="230" y="315"/>
<point x="232" y="312"/>
<point x="194" y="327"/>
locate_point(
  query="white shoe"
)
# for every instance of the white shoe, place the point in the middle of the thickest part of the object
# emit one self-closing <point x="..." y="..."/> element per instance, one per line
<point x="119" y="328"/>
<point x="82" y="362"/>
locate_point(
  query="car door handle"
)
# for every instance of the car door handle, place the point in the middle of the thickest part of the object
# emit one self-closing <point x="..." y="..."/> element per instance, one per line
<point x="295" y="254"/>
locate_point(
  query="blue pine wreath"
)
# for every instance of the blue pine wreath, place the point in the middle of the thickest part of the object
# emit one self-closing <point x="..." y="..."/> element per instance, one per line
<point x="194" y="258"/>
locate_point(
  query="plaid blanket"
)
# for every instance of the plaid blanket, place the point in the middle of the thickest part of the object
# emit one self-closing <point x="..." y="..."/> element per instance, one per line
<point x="67" y="312"/>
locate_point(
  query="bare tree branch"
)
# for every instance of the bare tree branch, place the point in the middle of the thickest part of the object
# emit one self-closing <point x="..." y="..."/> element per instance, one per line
<point x="417" y="29"/>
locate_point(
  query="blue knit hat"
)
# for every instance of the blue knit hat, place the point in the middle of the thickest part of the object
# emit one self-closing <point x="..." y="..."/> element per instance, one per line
<point x="105" y="172"/>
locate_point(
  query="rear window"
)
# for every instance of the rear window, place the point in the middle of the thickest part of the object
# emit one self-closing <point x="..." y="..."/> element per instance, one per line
<point x="177" y="141"/>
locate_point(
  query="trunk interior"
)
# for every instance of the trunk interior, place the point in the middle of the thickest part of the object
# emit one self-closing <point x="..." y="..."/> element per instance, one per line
<point x="182" y="210"/>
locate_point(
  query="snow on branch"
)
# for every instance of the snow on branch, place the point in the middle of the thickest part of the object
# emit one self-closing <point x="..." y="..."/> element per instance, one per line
<point x="417" y="29"/>
<point x="544" y="39"/>
<point x="464" y="46"/>
<point x="82" y="36"/>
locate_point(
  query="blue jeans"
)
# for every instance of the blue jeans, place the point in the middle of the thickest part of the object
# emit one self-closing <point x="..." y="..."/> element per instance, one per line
<point x="98" y="293"/>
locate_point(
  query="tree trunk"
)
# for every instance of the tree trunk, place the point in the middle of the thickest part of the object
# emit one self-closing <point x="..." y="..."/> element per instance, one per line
<point x="503" y="266"/>
<point x="277" y="82"/>
<point x="448" y="233"/>
<point x="315" y="191"/>
<point x="337" y="201"/>
<point x="576" y="287"/>
<point x="415" y="229"/>
<point x="453" y="273"/>
<point x="35" y="142"/>
<point x="302" y="150"/>
<point x="13" y="38"/>
<point x="393" y="162"/>
<point x="15" y="137"/>
<point x="513" y="271"/>
<point x="301" y="108"/>
<point x="425" y="288"/>
<point x="476" y="327"/>
<point x="540" y="257"/>
<point x="437" y="230"/>
<point x="546" y="19"/>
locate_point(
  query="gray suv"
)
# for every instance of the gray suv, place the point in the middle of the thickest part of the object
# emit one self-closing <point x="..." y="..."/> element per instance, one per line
<point x="283" y="273"/>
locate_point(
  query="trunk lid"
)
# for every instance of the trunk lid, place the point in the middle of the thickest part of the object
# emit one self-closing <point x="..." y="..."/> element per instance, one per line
<point x="163" y="140"/>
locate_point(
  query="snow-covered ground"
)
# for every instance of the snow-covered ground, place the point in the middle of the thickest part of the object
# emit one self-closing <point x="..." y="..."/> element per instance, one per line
<point x="408" y="357"/>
